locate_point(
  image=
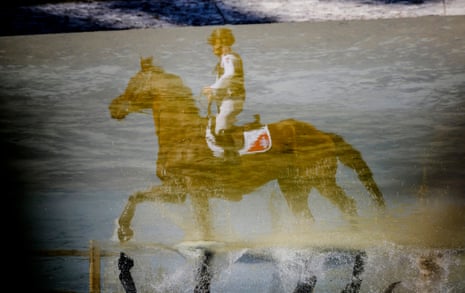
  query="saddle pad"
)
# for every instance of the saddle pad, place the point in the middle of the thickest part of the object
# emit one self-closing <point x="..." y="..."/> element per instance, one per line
<point x="256" y="141"/>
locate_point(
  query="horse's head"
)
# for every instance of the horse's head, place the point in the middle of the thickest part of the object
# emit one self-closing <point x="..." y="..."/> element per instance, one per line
<point x="140" y="91"/>
<point x="176" y="117"/>
<point x="119" y="107"/>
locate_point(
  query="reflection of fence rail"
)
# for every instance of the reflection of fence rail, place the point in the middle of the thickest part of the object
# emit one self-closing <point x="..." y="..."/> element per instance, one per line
<point x="308" y="267"/>
<point x="94" y="254"/>
<point x="205" y="273"/>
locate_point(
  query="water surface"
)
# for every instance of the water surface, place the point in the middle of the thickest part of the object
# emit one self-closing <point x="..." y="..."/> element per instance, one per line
<point x="393" y="89"/>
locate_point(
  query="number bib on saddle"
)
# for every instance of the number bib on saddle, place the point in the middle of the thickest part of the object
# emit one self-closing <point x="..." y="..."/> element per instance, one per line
<point x="255" y="141"/>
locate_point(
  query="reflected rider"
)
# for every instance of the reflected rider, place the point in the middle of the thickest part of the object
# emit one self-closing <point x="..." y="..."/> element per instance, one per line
<point x="228" y="90"/>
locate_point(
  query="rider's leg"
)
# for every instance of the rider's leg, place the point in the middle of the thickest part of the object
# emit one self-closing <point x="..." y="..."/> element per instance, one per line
<point x="223" y="120"/>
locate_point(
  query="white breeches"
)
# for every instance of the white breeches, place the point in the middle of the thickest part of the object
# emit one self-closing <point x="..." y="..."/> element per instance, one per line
<point x="229" y="109"/>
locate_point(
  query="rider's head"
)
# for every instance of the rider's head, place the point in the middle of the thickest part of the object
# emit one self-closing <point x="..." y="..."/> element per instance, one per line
<point x="219" y="38"/>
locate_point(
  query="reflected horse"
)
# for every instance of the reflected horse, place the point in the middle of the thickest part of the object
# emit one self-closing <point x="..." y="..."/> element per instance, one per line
<point x="301" y="157"/>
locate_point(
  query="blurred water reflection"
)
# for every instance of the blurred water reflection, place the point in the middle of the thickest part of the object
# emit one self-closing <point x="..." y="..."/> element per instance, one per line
<point x="191" y="162"/>
<point x="392" y="89"/>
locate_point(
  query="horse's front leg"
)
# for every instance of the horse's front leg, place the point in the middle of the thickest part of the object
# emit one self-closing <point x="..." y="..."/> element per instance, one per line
<point x="157" y="193"/>
<point x="202" y="217"/>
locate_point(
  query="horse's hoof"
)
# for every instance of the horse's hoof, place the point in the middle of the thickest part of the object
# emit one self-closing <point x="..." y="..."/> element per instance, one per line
<point x="125" y="234"/>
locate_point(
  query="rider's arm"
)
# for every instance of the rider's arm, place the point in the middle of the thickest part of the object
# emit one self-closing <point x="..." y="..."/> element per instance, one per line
<point x="224" y="81"/>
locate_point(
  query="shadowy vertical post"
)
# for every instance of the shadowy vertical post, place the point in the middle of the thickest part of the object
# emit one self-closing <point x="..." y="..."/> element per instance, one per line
<point x="124" y="265"/>
<point x="306" y="286"/>
<point x="354" y="285"/>
<point x="204" y="273"/>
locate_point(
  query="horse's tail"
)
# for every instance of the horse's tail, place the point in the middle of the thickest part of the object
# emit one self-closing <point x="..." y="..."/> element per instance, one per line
<point x="352" y="158"/>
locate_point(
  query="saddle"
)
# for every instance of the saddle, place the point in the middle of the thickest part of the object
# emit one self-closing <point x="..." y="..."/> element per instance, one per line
<point x="250" y="138"/>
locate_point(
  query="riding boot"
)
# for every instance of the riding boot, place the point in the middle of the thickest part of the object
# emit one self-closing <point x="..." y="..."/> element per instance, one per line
<point x="231" y="156"/>
<point x="224" y="138"/>
<point x="226" y="141"/>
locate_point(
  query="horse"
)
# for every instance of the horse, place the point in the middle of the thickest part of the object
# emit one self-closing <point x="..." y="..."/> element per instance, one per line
<point x="300" y="158"/>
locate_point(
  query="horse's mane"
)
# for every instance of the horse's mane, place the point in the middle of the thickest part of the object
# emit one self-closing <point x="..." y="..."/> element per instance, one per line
<point x="169" y="87"/>
<point x="153" y="84"/>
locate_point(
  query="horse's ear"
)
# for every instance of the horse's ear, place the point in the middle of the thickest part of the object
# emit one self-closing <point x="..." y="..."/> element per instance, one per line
<point x="146" y="62"/>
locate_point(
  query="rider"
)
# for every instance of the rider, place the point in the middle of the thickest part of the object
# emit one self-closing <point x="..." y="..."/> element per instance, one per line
<point x="228" y="90"/>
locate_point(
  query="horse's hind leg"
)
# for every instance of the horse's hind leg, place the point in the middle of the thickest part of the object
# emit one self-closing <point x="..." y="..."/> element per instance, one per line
<point x="329" y="189"/>
<point x="296" y="195"/>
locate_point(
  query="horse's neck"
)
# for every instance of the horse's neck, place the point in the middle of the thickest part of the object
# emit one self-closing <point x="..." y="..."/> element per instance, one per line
<point x="176" y="115"/>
